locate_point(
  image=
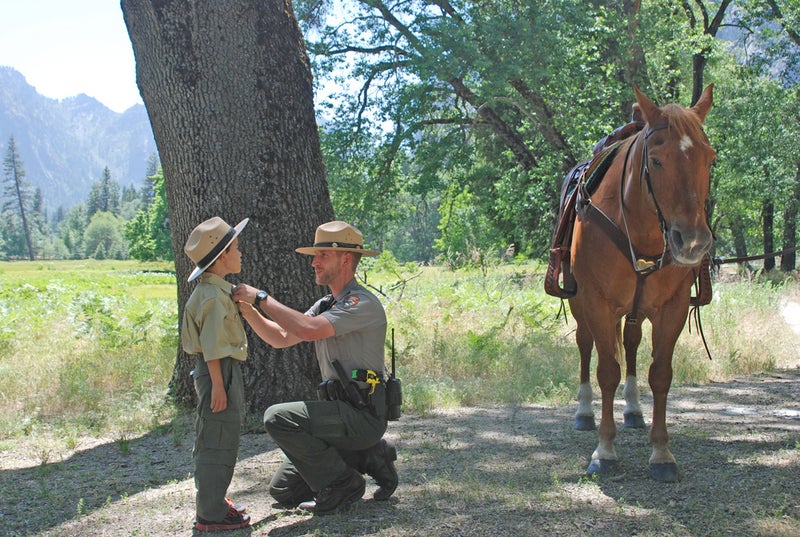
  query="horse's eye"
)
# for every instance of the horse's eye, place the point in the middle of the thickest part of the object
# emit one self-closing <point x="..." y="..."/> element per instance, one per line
<point x="656" y="162"/>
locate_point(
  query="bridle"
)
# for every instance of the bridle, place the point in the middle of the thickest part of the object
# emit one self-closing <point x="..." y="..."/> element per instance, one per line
<point x="642" y="265"/>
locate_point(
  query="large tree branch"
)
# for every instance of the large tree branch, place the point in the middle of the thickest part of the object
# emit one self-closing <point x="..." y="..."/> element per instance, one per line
<point x="523" y="154"/>
<point x="546" y="122"/>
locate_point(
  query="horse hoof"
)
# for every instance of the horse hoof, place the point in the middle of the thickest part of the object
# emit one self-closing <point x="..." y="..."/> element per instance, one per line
<point x="666" y="472"/>
<point x="633" y="421"/>
<point x="602" y="467"/>
<point x="584" y="423"/>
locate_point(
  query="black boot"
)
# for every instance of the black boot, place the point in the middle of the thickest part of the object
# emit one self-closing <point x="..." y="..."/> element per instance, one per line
<point x="379" y="464"/>
<point x="339" y="495"/>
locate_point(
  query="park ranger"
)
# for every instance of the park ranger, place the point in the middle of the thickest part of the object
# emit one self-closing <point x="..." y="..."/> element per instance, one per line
<point x="329" y="443"/>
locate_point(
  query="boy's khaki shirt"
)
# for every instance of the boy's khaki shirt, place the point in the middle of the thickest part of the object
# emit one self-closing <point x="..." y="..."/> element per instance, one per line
<point x="212" y="325"/>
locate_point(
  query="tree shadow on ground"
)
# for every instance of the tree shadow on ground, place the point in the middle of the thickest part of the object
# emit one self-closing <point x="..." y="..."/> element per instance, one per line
<point x="488" y="471"/>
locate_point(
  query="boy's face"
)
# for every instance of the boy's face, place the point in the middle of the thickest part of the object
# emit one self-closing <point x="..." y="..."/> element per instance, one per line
<point x="232" y="258"/>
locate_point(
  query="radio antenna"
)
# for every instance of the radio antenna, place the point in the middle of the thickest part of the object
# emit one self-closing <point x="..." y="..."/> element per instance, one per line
<point x="392" y="352"/>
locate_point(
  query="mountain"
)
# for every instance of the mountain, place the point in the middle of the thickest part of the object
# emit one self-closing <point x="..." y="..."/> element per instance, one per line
<point x="66" y="144"/>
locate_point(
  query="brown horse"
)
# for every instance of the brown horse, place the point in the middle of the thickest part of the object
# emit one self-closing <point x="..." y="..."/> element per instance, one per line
<point x="637" y="243"/>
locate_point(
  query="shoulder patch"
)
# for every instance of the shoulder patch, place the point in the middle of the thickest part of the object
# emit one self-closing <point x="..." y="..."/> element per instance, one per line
<point x="350" y="301"/>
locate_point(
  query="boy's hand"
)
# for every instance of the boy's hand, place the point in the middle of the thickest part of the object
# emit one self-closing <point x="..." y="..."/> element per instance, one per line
<point x="219" y="399"/>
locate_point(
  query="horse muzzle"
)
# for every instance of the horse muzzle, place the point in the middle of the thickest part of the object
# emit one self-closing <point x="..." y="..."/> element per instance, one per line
<point x="689" y="246"/>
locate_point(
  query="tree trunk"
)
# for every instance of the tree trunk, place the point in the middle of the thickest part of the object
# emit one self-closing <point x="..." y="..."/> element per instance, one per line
<point x="789" y="259"/>
<point x="768" y="223"/>
<point x="228" y="89"/>
<point x="739" y="243"/>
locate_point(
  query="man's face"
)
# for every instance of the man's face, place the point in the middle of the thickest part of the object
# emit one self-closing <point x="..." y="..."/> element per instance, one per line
<point x="328" y="265"/>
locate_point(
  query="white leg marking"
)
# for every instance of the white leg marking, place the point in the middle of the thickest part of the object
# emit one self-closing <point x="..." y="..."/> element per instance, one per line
<point x="631" y="393"/>
<point x="585" y="400"/>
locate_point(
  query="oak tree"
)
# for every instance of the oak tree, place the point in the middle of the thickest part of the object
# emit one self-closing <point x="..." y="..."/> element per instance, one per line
<point x="228" y="90"/>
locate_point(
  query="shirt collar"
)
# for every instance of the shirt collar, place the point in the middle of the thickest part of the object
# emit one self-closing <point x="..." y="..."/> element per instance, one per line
<point x="351" y="286"/>
<point x="218" y="281"/>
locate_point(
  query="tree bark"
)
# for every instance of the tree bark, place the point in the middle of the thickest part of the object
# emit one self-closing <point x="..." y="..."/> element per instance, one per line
<point x="228" y="89"/>
<point x="768" y="223"/>
<point x="790" y="211"/>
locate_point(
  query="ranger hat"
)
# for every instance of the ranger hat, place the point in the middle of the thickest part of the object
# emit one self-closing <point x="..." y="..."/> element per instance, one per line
<point x="208" y="240"/>
<point x="339" y="236"/>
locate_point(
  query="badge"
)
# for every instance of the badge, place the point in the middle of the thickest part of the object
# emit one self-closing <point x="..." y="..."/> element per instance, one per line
<point x="350" y="301"/>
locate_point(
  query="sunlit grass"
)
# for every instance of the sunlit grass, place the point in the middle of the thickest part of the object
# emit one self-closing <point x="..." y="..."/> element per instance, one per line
<point x="82" y="349"/>
<point x="88" y="347"/>
<point x="483" y="337"/>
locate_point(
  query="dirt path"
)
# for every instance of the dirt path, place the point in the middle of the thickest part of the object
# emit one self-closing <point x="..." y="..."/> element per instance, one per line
<point x="492" y="471"/>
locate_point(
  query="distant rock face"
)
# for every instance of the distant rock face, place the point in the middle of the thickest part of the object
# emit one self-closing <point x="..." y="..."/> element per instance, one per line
<point x="65" y="145"/>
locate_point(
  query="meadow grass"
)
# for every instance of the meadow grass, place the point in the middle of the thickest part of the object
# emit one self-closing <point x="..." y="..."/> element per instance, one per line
<point x="88" y="347"/>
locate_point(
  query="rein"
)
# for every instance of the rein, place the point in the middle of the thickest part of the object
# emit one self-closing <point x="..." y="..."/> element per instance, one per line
<point x="722" y="260"/>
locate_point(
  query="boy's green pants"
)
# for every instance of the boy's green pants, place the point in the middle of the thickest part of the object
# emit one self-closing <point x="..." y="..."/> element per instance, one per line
<point x="216" y="444"/>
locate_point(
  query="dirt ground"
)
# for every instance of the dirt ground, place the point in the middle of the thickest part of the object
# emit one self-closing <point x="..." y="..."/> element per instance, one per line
<point x="491" y="471"/>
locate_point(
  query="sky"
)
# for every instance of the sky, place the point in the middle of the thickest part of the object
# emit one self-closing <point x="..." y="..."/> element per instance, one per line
<point x="67" y="47"/>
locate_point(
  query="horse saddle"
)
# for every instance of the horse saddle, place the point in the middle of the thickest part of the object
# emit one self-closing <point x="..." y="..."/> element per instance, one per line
<point x="558" y="280"/>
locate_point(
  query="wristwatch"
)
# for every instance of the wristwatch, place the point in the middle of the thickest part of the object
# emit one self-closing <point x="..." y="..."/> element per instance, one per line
<point x="261" y="295"/>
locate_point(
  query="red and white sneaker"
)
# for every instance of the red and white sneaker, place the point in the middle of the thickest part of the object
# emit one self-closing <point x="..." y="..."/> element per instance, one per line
<point x="241" y="509"/>
<point x="233" y="520"/>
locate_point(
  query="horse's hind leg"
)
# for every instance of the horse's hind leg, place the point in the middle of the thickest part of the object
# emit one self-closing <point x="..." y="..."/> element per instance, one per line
<point x="584" y="415"/>
<point x="631" y="337"/>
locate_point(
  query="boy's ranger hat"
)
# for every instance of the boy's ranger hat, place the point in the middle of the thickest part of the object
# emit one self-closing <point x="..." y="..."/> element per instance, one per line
<point x="208" y="240"/>
<point x="338" y="236"/>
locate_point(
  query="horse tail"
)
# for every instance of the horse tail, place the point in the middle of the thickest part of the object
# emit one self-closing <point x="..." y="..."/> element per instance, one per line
<point x="618" y="347"/>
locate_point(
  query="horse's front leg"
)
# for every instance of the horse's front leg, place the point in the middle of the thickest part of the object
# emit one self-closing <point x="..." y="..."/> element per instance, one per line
<point x="666" y="329"/>
<point x="584" y="415"/>
<point x="631" y="337"/>
<point x="607" y="342"/>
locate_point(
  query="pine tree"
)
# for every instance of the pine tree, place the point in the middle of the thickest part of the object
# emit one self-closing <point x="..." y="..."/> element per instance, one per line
<point x="17" y="192"/>
<point x="104" y="196"/>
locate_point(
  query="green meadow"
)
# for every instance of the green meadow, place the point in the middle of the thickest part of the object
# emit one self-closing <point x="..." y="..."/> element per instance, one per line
<point x="87" y="347"/>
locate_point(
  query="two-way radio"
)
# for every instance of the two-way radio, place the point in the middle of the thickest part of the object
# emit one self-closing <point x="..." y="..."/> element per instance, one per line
<point x="394" y="392"/>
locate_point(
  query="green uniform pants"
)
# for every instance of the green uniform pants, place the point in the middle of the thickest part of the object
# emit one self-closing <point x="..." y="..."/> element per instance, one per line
<point x="315" y="435"/>
<point x="216" y="445"/>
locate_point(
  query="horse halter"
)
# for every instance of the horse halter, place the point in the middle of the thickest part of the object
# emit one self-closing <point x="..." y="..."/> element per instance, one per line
<point x="640" y="264"/>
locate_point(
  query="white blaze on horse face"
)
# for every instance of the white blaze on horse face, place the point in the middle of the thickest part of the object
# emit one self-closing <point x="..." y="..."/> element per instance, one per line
<point x="686" y="143"/>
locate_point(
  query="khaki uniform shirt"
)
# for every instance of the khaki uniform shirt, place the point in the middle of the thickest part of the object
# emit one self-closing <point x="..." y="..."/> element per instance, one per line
<point x="212" y="325"/>
<point x="359" y="321"/>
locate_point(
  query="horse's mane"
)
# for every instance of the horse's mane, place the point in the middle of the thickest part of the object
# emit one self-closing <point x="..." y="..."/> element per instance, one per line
<point x="685" y="122"/>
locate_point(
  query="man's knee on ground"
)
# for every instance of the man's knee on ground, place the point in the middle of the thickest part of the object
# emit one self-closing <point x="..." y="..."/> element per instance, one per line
<point x="273" y="419"/>
<point x="291" y="493"/>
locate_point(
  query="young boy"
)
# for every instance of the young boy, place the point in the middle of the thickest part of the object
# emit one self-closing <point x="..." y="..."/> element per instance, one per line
<point x="212" y="330"/>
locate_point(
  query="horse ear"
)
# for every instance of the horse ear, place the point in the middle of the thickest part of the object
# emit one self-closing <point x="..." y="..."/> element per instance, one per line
<point x="703" y="104"/>
<point x="649" y="110"/>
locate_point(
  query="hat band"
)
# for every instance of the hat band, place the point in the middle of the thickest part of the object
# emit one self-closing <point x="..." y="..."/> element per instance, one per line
<point x="337" y="245"/>
<point x="217" y="249"/>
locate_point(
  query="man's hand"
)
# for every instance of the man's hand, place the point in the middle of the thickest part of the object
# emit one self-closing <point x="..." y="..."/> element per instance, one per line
<point x="244" y="293"/>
